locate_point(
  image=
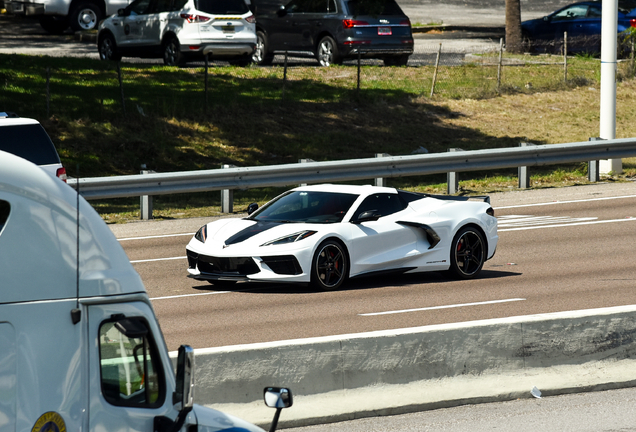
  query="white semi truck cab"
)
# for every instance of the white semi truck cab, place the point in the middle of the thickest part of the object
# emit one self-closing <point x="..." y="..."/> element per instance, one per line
<point x="80" y="346"/>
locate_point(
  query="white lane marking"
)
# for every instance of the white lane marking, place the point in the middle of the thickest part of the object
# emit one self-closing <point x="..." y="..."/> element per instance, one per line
<point x="189" y="295"/>
<point x="565" y="202"/>
<point x="442" y="307"/>
<point x="158" y="259"/>
<point x="528" y="220"/>
<point x="568" y="224"/>
<point x="155" y="236"/>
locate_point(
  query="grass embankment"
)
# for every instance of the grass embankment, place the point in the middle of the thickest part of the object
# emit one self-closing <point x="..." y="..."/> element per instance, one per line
<point x="251" y="118"/>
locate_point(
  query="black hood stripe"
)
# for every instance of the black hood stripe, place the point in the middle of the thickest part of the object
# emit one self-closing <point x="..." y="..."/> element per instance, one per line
<point x="257" y="228"/>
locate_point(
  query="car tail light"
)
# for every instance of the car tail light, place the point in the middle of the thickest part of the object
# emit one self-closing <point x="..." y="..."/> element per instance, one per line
<point x="362" y="42"/>
<point x="349" y="23"/>
<point x="632" y="22"/>
<point x="194" y="18"/>
<point x="61" y="174"/>
<point x="193" y="47"/>
<point x="406" y="22"/>
<point x="251" y="19"/>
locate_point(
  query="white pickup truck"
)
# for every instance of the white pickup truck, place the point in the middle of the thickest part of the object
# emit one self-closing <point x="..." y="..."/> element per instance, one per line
<point x="80" y="346"/>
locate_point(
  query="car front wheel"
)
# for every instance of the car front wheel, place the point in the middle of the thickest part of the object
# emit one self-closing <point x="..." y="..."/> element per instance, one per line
<point x="327" y="52"/>
<point x="468" y="253"/>
<point x="260" y="55"/>
<point x="330" y="266"/>
<point x="108" y="48"/>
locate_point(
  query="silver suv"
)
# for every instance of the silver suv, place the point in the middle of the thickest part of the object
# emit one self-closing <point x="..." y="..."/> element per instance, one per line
<point x="27" y="138"/>
<point x="179" y="30"/>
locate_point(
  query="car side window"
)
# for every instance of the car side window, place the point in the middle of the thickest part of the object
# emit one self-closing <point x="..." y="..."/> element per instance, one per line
<point x="578" y="11"/>
<point x="131" y="373"/>
<point x="594" y="12"/>
<point x="178" y="5"/>
<point x="331" y="6"/>
<point x="138" y="7"/>
<point x="162" y="6"/>
<point x="382" y="203"/>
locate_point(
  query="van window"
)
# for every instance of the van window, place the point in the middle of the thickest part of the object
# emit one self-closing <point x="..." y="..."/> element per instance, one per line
<point x="130" y="367"/>
<point x="30" y="142"/>
<point x="222" y="7"/>
<point x="5" y="209"/>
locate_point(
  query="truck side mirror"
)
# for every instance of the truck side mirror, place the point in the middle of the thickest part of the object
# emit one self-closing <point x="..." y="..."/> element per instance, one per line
<point x="279" y="398"/>
<point x="184" y="393"/>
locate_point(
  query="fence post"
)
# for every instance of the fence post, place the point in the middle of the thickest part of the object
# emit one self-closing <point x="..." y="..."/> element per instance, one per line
<point x="593" y="173"/>
<point x="305" y="161"/>
<point x="121" y="88"/>
<point x="522" y="172"/>
<point x="284" y="76"/>
<point x="48" y="91"/>
<point x="358" y="87"/>
<point x="501" y="42"/>
<point x="145" y="201"/>
<point x="452" y="179"/>
<point x="565" y="56"/>
<point x="227" y="195"/>
<point x="207" y="64"/>
<point x="439" y="53"/>
<point x="379" y="181"/>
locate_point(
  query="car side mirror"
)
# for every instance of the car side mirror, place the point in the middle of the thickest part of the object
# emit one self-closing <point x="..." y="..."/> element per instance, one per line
<point x="546" y="18"/>
<point x="367" y="216"/>
<point x="279" y="398"/>
<point x="252" y="208"/>
<point x="121" y="12"/>
<point x="281" y="12"/>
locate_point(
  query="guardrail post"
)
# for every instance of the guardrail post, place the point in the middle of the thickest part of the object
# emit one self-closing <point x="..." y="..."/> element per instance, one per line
<point x="379" y="181"/>
<point x="593" y="171"/>
<point x="522" y="172"/>
<point x="305" y="161"/>
<point x="145" y="201"/>
<point x="227" y="195"/>
<point x="452" y="179"/>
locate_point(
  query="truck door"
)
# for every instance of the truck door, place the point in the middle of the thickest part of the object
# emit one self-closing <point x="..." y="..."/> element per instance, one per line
<point x="131" y="379"/>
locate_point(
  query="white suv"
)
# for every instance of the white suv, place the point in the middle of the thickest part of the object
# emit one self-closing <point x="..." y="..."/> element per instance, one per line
<point x="27" y="138"/>
<point x="178" y="30"/>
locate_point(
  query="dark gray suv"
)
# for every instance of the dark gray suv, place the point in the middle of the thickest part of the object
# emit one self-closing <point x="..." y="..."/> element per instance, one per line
<point x="332" y="30"/>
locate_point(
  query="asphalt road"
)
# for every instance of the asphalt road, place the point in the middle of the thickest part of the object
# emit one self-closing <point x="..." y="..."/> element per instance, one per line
<point x="569" y="250"/>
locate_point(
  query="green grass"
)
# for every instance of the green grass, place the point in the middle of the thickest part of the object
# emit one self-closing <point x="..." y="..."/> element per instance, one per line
<point x="253" y="116"/>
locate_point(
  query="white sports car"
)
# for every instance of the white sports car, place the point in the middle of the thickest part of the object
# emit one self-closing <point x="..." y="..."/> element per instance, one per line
<point x="324" y="234"/>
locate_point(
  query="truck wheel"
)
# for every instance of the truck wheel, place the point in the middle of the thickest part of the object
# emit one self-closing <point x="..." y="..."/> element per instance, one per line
<point x="85" y="16"/>
<point x="54" y="25"/>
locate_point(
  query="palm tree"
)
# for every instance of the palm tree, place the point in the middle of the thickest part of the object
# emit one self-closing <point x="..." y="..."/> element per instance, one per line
<point x="513" y="26"/>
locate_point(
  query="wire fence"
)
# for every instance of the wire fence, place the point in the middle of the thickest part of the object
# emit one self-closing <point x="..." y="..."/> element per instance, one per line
<point x="432" y="72"/>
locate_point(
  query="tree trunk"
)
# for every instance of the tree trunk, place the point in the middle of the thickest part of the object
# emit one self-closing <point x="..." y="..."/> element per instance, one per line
<point x="513" y="27"/>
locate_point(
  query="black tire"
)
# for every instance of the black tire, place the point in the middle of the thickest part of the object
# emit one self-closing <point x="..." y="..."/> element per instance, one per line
<point x="329" y="266"/>
<point x="261" y="56"/>
<point x="327" y="52"/>
<point x="468" y="253"/>
<point x="172" y="55"/>
<point x="526" y="43"/>
<point x="85" y="16"/>
<point x="401" y="60"/>
<point x="107" y="48"/>
<point x="54" y="25"/>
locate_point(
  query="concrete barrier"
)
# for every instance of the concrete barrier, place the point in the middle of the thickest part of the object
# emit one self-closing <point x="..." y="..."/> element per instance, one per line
<point x="389" y="372"/>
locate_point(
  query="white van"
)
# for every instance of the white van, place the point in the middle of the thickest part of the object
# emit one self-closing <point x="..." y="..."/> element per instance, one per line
<point x="80" y="346"/>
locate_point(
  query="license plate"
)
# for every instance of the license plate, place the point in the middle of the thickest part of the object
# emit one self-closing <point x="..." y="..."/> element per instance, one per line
<point x="228" y="29"/>
<point x="384" y="31"/>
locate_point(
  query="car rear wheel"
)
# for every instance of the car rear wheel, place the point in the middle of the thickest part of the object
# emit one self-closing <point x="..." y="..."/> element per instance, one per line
<point x="85" y="16"/>
<point x="261" y="56"/>
<point x="108" y="48"/>
<point x="468" y="253"/>
<point x="172" y="55"/>
<point x="330" y="266"/>
<point x="327" y="52"/>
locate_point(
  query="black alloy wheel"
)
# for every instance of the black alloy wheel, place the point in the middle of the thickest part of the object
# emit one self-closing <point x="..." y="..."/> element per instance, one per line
<point x="468" y="253"/>
<point x="330" y="266"/>
<point x="108" y="48"/>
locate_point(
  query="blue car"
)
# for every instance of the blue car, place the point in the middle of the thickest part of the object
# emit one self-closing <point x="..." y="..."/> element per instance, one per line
<point x="581" y="21"/>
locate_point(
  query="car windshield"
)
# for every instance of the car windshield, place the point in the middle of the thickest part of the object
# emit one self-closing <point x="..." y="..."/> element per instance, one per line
<point x="306" y="206"/>
<point x="222" y="7"/>
<point x="373" y="7"/>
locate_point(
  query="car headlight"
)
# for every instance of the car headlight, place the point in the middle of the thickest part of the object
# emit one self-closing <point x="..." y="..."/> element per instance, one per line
<point x="290" y="238"/>
<point x="202" y="234"/>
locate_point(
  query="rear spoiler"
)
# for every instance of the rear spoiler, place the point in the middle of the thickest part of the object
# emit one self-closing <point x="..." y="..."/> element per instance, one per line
<point x="412" y="196"/>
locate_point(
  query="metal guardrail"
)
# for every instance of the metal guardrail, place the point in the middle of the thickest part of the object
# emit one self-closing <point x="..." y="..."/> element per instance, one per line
<point x="352" y="169"/>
